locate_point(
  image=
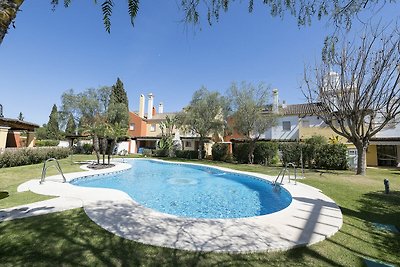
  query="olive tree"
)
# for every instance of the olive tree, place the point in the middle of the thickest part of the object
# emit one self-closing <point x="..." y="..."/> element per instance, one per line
<point x="250" y="115"/>
<point x="204" y="116"/>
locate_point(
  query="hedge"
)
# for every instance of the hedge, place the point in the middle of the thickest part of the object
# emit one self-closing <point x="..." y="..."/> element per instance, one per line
<point x="332" y="157"/>
<point x="84" y="149"/>
<point x="27" y="156"/>
<point x="264" y="152"/>
<point x="220" y="152"/>
<point x="189" y="154"/>
<point x="40" y="143"/>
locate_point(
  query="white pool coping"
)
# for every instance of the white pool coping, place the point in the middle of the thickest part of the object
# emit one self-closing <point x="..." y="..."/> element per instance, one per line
<point x="311" y="217"/>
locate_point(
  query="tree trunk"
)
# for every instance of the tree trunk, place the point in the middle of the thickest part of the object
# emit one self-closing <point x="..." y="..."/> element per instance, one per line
<point x="104" y="149"/>
<point x="96" y="147"/>
<point x="361" y="159"/>
<point x="110" y="150"/>
<point x="200" y="149"/>
<point x="252" y="146"/>
<point x="8" y="12"/>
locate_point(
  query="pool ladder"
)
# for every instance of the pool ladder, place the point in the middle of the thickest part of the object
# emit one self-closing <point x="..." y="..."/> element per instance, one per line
<point x="285" y="170"/>
<point x="44" y="170"/>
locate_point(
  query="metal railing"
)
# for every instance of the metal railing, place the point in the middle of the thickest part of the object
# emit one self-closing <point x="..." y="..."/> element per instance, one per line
<point x="44" y="170"/>
<point x="285" y="170"/>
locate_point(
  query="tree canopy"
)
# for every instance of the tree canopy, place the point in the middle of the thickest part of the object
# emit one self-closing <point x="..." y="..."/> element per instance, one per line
<point x="341" y="12"/>
<point x="53" y="129"/>
<point x="203" y="116"/>
<point x="248" y="106"/>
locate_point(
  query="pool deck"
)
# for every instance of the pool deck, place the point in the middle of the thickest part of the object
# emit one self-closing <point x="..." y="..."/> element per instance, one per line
<point x="310" y="218"/>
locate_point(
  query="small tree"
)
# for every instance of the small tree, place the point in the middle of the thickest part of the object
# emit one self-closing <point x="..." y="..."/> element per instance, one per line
<point x="356" y="90"/>
<point x="71" y="125"/>
<point x="53" y="129"/>
<point x="20" y="116"/>
<point x="167" y="129"/>
<point x="248" y="104"/>
<point x="203" y="116"/>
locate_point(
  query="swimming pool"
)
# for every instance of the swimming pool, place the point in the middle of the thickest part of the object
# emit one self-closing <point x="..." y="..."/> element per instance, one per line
<point x="194" y="191"/>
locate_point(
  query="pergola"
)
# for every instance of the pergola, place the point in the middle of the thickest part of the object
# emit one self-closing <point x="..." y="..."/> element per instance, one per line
<point x="10" y="130"/>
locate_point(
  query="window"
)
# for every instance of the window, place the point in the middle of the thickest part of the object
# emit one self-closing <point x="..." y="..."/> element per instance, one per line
<point x="152" y="128"/>
<point x="286" y="125"/>
<point x="305" y="123"/>
<point x="188" y="144"/>
<point x="132" y="126"/>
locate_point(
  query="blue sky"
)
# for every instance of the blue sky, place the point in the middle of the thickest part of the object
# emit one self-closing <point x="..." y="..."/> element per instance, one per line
<point x="51" y="52"/>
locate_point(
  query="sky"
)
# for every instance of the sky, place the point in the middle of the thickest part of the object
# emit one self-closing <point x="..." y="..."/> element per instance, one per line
<point x="50" y="52"/>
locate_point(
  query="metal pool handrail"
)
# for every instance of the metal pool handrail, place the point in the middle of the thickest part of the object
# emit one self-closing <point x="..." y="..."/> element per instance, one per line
<point x="44" y="170"/>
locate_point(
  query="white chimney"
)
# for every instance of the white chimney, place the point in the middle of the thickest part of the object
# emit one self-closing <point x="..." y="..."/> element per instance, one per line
<point x="141" y="106"/>
<point x="284" y="104"/>
<point x="160" y="108"/>
<point x="275" y="103"/>
<point x="150" y="107"/>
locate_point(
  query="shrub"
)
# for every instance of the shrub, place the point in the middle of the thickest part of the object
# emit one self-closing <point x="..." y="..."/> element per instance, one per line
<point x="311" y="148"/>
<point x="241" y="152"/>
<point x="40" y="143"/>
<point x="264" y="152"/>
<point x="189" y="154"/>
<point x="147" y="152"/>
<point x="332" y="157"/>
<point x="161" y="152"/>
<point x="291" y="152"/>
<point x="220" y="151"/>
<point x="26" y="156"/>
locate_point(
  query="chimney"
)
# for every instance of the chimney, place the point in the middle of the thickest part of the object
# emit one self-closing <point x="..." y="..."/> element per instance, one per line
<point x="150" y="107"/>
<point x="141" y="106"/>
<point x="284" y="104"/>
<point x="160" y="108"/>
<point x="275" y="103"/>
<point x="153" y="112"/>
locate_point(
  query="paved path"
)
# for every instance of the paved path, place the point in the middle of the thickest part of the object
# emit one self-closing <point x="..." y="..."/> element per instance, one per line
<point x="310" y="218"/>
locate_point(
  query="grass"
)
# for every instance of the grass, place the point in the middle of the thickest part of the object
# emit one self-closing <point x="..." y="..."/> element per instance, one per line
<point x="70" y="238"/>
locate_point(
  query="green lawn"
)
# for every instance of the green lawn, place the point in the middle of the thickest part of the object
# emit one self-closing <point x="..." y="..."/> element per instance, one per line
<point x="71" y="238"/>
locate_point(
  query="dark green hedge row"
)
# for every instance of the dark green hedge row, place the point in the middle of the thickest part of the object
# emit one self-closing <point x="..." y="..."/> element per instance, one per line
<point x="84" y="149"/>
<point x="26" y="156"/>
<point x="220" y="152"/>
<point x="264" y="152"/>
<point x="189" y="154"/>
<point x="315" y="155"/>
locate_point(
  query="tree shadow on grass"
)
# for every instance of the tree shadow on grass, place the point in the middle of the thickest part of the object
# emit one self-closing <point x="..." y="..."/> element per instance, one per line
<point x="4" y="194"/>
<point x="72" y="239"/>
<point x="377" y="207"/>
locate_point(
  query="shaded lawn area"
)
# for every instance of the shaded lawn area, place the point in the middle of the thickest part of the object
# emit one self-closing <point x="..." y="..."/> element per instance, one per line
<point x="71" y="238"/>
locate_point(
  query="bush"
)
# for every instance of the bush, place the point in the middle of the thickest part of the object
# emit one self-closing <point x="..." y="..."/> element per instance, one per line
<point x="161" y="153"/>
<point x="265" y="152"/>
<point x="332" y="157"/>
<point x="241" y="152"/>
<point x="26" y="156"/>
<point x="40" y="143"/>
<point x="311" y="148"/>
<point x="220" y="151"/>
<point x="189" y="154"/>
<point x="291" y="152"/>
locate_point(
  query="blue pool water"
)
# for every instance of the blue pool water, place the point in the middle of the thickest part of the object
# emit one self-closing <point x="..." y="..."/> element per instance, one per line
<point x="193" y="191"/>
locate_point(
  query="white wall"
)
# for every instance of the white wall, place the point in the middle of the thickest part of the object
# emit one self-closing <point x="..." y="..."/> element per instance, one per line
<point x="277" y="132"/>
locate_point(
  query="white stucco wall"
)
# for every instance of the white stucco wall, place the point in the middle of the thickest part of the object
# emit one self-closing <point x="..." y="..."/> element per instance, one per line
<point x="277" y="132"/>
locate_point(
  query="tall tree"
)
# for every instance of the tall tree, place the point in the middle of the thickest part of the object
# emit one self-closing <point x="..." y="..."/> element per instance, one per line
<point x="71" y="125"/>
<point x="204" y="116"/>
<point x="356" y="91"/>
<point x="53" y="129"/>
<point x="248" y="106"/>
<point x="117" y="116"/>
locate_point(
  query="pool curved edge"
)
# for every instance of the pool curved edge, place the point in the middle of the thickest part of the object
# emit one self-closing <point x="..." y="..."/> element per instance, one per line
<point x="311" y="217"/>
